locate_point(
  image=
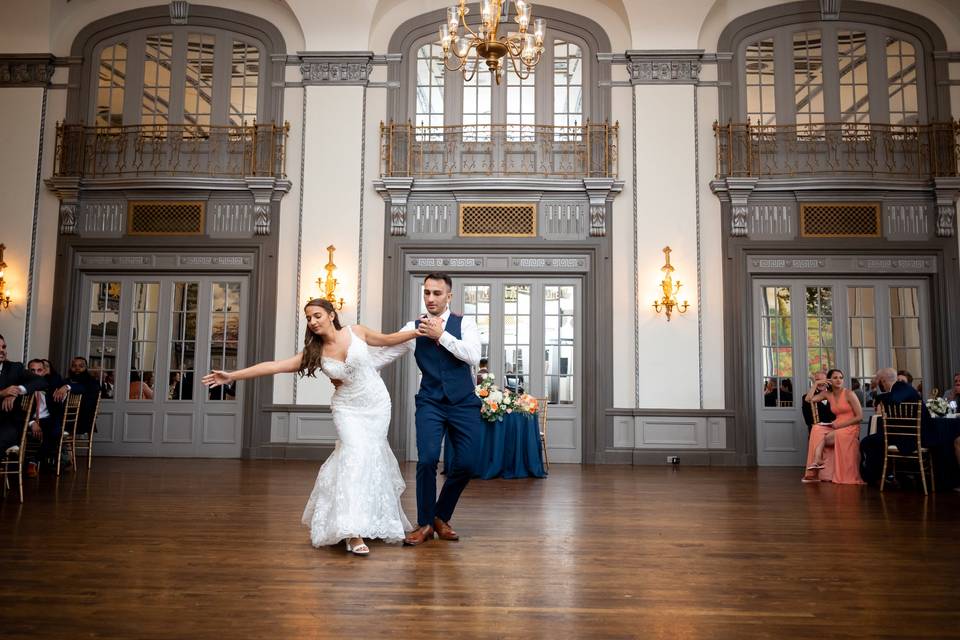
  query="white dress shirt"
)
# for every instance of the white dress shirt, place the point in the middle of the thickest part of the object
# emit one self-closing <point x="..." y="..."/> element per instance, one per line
<point x="467" y="348"/>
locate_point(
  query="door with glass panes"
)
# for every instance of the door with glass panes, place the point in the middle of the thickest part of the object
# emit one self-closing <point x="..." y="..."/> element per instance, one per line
<point x="149" y="340"/>
<point x="802" y="326"/>
<point x="531" y="338"/>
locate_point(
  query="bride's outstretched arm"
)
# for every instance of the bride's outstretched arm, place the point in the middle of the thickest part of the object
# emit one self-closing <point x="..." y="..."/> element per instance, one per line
<point x="377" y="339"/>
<point x="289" y="365"/>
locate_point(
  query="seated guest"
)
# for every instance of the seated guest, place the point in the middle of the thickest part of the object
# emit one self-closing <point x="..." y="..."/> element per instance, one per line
<point x="895" y="389"/>
<point x="953" y="395"/>
<point x="50" y="414"/>
<point x="15" y="381"/>
<point x="905" y="376"/>
<point x="482" y="371"/>
<point x="786" y="393"/>
<point x="80" y="381"/>
<point x="770" y="393"/>
<point x="833" y="452"/>
<point x="139" y="388"/>
<point x="814" y="412"/>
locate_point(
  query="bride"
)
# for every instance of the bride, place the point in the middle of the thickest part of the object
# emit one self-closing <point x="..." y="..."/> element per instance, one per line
<point x="357" y="493"/>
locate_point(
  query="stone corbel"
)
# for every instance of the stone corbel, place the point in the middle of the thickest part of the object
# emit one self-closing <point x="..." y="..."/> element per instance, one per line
<point x="395" y="192"/>
<point x="829" y="9"/>
<point x="738" y="191"/>
<point x="947" y="190"/>
<point x="601" y="192"/>
<point x="67" y="189"/>
<point x="265" y="190"/>
<point x="26" y="70"/>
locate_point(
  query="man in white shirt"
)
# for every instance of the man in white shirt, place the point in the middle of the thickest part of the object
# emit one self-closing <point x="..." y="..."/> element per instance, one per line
<point x="448" y="347"/>
<point x="15" y="381"/>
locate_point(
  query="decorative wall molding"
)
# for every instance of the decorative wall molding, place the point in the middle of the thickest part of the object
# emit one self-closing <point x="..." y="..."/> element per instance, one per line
<point x="430" y="218"/>
<point x="563" y="219"/>
<point x="833" y="264"/>
<point x="947" y="190"/>
<point x="336" y="67"/>
<point x="103" y="217"/>
<point x="395" y="192"/>
<point x="829" y="9"/>
<point x="68" y="218"/>
<point x="601" y="192"/>
<point x="737" y="191"/>
<point x="681" y="66"/>
<point x="194" y="261"/>
<point x="772" y="221"/>
<point x="572" y="263"/>
<point x="179" y="11"/>
<point x="230" y="218"/>
<point x="26" y="69"/>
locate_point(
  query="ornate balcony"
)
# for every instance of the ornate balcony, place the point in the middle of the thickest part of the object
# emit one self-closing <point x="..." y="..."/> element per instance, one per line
<point x="146" y="151"/>
<point x="866" y="150"/>
<point x="582" y="151"/>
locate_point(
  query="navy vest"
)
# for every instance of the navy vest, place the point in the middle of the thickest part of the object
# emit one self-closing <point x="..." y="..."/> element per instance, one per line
<point x="445" y="376"/>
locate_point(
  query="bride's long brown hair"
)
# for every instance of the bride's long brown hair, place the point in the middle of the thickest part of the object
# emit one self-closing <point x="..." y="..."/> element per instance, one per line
<point x="312" y="343"/>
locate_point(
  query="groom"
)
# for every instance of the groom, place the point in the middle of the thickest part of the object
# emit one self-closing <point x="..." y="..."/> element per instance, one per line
<point x="448" y="346"/>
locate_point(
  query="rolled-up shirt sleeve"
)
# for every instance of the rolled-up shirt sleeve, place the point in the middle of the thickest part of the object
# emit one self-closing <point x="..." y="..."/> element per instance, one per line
<point x="467" y="348"/>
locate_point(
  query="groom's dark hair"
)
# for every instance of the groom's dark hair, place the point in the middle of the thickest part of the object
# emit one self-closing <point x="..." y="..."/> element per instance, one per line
<point x="440" y="276"/>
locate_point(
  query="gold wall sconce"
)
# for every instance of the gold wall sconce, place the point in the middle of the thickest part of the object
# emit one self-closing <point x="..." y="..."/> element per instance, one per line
<point x="668" y="302"/>
<point x="328" y="285"/>
<point x="4" y="297"/>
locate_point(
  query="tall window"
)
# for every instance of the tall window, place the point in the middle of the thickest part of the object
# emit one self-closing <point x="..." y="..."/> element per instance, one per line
<point x="244" y="77"/>
<point x="521" y="107"/>
<point x="157" y="66"/>
<point x="761" y="108"/>
<point x="430" y="77"/>
<point x="852" y="60"/>
<point x="808" y="81"/>
<point x="905" y="346"/>
<point x="111" y="80"/>
<point x="477" y="102"/>
<point x="567" y="88"/>
<point x="198" y="86"/>
<point x="902" y="82"/>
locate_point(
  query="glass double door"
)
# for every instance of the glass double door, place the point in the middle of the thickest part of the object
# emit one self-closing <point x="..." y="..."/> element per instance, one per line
<point x="531" y="340"/>
<point x="802" y="326"/>
<point x="149" y="340"/>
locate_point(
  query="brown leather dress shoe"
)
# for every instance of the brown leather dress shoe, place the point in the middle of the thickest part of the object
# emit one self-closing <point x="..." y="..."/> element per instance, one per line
<point x="419" y="536"/>
<point x="444" y="530"/>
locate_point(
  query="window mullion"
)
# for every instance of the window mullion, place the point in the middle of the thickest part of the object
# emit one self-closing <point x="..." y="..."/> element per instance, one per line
<point x="831" y="73"/>
<point x="178" y="70"/>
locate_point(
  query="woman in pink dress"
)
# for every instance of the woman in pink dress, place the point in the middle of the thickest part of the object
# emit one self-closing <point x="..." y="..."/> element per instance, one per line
<point x="833" y="453"/>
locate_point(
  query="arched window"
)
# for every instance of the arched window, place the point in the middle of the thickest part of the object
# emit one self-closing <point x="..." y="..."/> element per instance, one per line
<point x="848" y="73"/>
<point x="172" y="76"/>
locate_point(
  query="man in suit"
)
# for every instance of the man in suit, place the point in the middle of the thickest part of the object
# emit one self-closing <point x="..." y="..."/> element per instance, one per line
<point x="823" y="413"/>
<point x="15" y="381"/>
<point x="448" y="346"/>
<point x="50" y="413"/>
<point x="894" y="391"/>
<point x="80" y="381"/>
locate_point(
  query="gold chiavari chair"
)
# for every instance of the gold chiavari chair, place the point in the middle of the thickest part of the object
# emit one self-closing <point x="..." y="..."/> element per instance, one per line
<point x="86" y="444"/>
<point x="11" y="463"/>
<point x="902" y="422"/>
<point x="68" y="431"/>
<point x="542" y="419"/>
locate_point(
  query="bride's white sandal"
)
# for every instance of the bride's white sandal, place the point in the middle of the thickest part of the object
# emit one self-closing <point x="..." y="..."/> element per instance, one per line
<point x="357" y="549"/>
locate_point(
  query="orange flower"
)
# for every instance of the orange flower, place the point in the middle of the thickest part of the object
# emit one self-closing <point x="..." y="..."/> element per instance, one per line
<point x="483" y="393"/>
<point x="494" y="406"/>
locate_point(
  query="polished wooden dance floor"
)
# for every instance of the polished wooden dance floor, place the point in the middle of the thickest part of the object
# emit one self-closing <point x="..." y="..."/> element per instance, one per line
<point x="214" y="549"/>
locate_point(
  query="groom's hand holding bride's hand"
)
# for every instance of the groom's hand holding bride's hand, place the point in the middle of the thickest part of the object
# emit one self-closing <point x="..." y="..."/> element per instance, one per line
<point x="430" y="328"/>
<point x="217" y="378"/>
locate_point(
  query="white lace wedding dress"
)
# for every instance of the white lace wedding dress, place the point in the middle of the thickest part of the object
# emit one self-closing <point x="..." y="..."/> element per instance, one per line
<point x="358" y="489"/>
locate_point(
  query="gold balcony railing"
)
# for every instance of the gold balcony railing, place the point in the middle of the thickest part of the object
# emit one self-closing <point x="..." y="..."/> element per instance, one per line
<point x="881" y="150"/>
<point x="171" y="150"/>
<point x="581" y="151"/>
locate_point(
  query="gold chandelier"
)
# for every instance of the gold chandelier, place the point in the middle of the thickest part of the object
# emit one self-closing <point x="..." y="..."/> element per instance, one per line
<point x="522" y="48"/>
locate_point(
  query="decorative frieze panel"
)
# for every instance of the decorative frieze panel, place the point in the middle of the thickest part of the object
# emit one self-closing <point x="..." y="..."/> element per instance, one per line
<point x="336" y="68"/>
<point x="230" y="218"/>
<point x="664" y="66"/>
<point x="193" y="261"/>
<point x="499" y="262"/>
<point x="908" y="221"/>
<point x="842" y="264"/>
<point x="771" y="221"/>
<point x="431" y="218"/>
<point x="103" y="217"/>
<point x="30" y="70"/>
<point x="563" y="219"/>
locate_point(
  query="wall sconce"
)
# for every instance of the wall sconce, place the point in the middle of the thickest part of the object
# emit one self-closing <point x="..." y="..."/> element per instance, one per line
<point x="4" y="298"/>
<point x="328" y="285"/>
<point x="670" y="290"/>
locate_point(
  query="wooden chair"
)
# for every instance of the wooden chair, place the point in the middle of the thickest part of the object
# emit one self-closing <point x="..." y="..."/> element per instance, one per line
<point x="86" y="444"/>
<point x="12" y="459"/>
<point x="68" y="431"/>
<point x="542" y="419"/>
<point x="900" y="422"/>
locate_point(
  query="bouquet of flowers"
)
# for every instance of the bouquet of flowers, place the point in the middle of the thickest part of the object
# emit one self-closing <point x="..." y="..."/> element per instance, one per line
<point x="937" y="406"/>
<point x="498" y="403"/>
